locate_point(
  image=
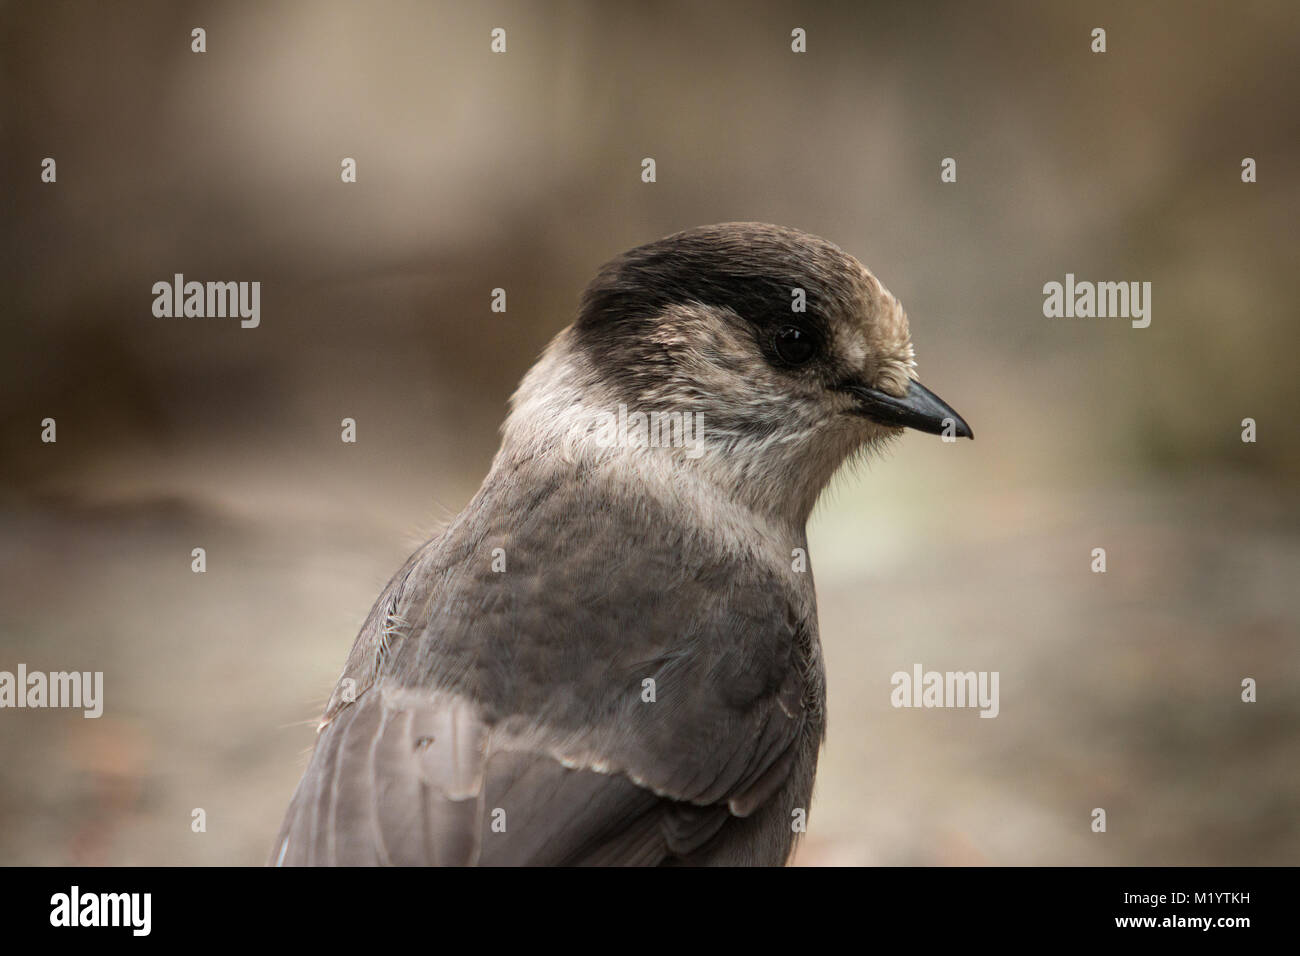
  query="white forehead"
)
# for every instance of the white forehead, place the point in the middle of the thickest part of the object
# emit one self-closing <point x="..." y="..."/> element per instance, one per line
<point x="881" y="335"/>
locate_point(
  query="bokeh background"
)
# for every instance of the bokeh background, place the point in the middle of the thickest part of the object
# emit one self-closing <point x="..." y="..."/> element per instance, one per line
<point x="1118" y="690"/>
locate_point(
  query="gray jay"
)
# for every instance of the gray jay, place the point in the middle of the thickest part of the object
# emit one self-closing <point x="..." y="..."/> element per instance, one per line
<point x="611" y="655"/>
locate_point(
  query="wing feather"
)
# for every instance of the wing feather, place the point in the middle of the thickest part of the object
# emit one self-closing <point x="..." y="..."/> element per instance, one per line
<point x="505" y="723"/>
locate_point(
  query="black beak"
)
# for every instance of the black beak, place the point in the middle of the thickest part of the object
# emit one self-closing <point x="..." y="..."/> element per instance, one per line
<point x="920" y="408"/>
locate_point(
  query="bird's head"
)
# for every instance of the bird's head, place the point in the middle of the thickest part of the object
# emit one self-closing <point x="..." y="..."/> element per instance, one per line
<point x="792" y="355"/>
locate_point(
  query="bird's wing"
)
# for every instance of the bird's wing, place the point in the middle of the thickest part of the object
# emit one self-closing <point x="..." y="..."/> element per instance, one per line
<point x="403" y="778"/>
<point x="620" y="693"/>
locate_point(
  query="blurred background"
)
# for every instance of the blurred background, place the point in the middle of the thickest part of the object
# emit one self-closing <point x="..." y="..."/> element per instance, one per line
<point x="522" y="171"/>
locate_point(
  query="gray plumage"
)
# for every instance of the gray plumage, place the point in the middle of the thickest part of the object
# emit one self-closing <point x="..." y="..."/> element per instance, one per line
<point x="500" y="716"/>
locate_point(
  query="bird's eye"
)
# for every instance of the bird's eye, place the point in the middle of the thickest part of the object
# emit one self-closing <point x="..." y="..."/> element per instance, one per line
<point x="795" y="345"/>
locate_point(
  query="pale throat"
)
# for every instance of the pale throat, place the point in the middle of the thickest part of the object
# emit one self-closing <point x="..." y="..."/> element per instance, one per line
<point x="565" y="414"/>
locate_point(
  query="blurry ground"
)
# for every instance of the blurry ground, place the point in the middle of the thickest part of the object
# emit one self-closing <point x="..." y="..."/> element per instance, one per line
<point x="1118" y="690"/>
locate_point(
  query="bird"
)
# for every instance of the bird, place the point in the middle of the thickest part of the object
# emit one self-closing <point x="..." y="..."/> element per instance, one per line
<point x="611" y="656"/>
